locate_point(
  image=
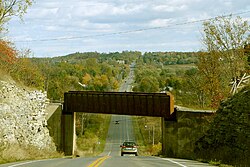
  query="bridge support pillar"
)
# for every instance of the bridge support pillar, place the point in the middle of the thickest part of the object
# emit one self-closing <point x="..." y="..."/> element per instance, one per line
<point x="68" y="133"/>
<point x="170" y="136"/>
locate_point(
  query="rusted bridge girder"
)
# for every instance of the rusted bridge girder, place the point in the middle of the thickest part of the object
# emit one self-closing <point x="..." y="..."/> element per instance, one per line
<point x="122" y="103"/>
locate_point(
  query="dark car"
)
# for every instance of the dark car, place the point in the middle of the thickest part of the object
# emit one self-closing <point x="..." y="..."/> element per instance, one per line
<point x="129" y="147"/>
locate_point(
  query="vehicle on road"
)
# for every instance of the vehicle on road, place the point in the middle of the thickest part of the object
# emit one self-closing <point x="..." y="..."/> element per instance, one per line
<point x="129" y="147"/>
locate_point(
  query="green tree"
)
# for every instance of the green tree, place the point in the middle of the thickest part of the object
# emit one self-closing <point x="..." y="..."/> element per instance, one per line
<point x="227" y="139"/>
<point x="10" y="8"/>
<point x="193" y="88"/>
<point x="148" y="84"/>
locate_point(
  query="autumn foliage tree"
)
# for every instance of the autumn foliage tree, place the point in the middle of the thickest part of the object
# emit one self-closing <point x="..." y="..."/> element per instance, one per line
<point x="8" y="55"/>
<point x="14" y="62"/>
<point x="18" y="66"/>
<point x="224" y="58"/>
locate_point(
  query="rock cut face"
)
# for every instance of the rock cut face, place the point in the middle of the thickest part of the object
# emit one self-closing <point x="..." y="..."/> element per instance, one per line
<point x="22" y="117"/>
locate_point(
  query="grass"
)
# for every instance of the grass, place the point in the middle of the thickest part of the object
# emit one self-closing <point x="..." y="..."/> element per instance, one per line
<point x="214" y="163"/>
<point x="218" y="163"/>
<point x="5" y="77"/>
<point x="179" y="67"/>
<point x="16" y="152"/>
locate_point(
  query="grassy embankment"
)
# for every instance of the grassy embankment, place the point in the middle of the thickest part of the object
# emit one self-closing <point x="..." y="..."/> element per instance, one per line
<point x="17" y="152"/>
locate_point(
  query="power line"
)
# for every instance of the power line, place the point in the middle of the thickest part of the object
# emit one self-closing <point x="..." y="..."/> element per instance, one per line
<point x="131" y="31"/>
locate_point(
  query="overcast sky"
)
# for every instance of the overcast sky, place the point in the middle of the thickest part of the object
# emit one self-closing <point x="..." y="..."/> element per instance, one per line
<point x="59" y="27"/>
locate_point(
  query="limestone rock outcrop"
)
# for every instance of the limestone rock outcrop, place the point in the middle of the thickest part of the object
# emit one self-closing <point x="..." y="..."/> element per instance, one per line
<point x="22" y="117"/>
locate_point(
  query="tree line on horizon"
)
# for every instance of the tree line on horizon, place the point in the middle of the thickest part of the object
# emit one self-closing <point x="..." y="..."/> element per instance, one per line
<point x="224" y="59"/>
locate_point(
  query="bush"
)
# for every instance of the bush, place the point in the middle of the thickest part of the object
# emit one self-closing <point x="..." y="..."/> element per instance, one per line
<point x="227" y="139"/>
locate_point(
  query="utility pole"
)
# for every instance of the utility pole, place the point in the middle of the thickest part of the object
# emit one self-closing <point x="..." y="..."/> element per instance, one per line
<point x="149" y="133"/>
<point x="153" y="135"/>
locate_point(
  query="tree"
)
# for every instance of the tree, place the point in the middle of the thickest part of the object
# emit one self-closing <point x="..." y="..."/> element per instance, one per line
<point x="225" y="37"/>
<point x="211" y="75"/>
<point x="224" y="58"/>
<point x="10" y="8"/>
<point x="192" y="86"/>
<point x="148" y="84"/>
<point x="86" y="79"/>
<point x="247" y="53"/>
<point x="227" y="137"/>
<point x="101" y="83"/>
<point x="224" y="33"/>
<point x="8" y="55"/>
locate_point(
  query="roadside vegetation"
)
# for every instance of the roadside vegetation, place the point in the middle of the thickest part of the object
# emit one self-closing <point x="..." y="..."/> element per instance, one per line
<point x="201" y="79"/>
<point x="227" y="138"/>
<point x="17" y="152"/>
<point x="217" y="73"/>
<point x="148" y="134"/>
<point x="91" y="133"/>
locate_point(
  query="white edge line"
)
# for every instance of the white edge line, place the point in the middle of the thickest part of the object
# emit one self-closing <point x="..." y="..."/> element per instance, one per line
<point x="19" y="164"/>
<point x="174" y="162"/>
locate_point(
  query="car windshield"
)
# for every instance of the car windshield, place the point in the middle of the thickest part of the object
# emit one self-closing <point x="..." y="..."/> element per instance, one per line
<point x="129" y="144"/>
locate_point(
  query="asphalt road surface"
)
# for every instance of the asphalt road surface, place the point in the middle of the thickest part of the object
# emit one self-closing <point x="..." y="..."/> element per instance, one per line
<point x="111" y="156"/>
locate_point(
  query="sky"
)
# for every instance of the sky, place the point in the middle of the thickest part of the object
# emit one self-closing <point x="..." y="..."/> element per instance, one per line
<point x="53" y="28"/>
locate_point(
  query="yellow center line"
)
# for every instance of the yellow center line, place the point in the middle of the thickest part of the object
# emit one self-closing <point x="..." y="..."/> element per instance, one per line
<point x="99" y="161"/>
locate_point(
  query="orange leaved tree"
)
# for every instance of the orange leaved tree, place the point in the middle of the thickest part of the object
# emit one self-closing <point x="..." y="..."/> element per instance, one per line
<point x="8" y="56"/>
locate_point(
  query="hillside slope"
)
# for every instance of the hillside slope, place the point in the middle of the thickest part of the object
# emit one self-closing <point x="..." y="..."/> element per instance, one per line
<point x="228" y="138"/>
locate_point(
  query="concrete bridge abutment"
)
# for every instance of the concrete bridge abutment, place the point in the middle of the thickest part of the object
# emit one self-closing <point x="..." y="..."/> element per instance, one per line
<point x="179" y="135"/>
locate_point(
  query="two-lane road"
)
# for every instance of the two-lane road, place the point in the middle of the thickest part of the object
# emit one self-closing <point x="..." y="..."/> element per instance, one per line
<point x="111" y="156"/>
<point x="118" y="133"/>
